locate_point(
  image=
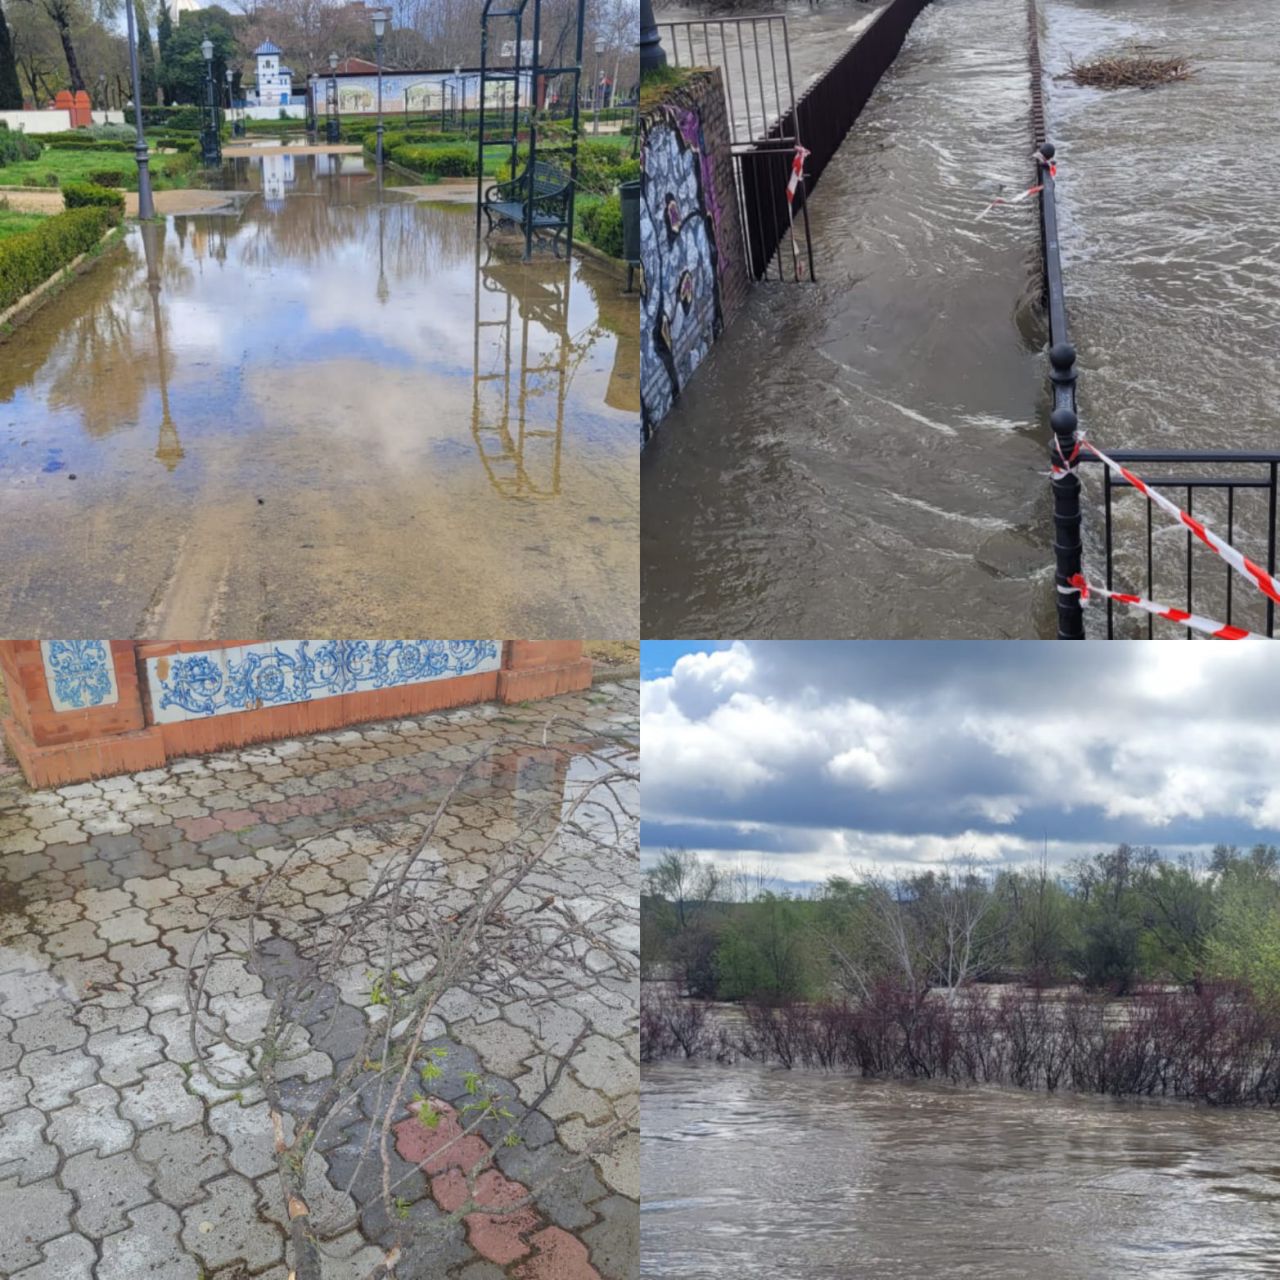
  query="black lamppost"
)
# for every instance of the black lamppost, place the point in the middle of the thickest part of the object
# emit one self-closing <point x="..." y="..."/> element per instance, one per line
<point x="651" y="53"/>
<point x="596" y="88"/>
<point x="212" y="143"/>
<point x="379" y="27"/>
<point x="311" y="102"/>
<point x="146" y="206"/>
<point x="331" y="130"/>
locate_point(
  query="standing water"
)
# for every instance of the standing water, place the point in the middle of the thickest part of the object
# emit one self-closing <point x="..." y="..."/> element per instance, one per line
<point x="757" y="1174"/>
<point x="324" y="409"/>
<point x="863" y="455"/>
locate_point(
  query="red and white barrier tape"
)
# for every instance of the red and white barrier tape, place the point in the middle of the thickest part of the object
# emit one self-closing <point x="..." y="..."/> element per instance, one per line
<point x="1030" y="191"/>
<point x="1245" y="567"/>
<point x="1218" y="630"/>
<point x="797" y="173"/>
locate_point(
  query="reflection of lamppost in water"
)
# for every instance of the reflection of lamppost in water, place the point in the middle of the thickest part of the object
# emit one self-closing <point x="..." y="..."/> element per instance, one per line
<point x="168" y="447"/>
<point x="383" y="291"/>
<point x="331" y="124"/>
<point x="379" y="27"/>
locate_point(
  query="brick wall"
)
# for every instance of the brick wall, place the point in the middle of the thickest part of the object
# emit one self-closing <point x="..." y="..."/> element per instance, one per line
<point x="695" y="273"/>
<point x="53" y="747"/>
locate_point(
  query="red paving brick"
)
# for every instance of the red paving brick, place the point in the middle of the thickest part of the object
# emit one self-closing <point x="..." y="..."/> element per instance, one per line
<point x="557" y="1256"/>
<point x="198" y="829"/>
<point x="427" y="1147"/>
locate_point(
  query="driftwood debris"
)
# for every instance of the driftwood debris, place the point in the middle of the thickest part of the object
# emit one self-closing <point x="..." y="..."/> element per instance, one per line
<point x="1129" y="71"/>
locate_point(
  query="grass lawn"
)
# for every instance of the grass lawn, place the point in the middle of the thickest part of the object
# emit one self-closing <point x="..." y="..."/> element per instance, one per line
<point x="13" y="223"/>
<point x="75" y="166"/>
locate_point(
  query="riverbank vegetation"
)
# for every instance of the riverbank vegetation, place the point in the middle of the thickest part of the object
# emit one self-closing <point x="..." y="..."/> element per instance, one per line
<point x="1129" y="973"/>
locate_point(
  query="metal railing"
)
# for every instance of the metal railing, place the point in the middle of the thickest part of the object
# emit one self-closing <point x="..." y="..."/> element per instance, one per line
<point x="753" y="55"/>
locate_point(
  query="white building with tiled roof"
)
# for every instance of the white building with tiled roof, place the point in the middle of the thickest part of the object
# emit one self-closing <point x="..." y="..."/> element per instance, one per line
<point x="273" y="81"/>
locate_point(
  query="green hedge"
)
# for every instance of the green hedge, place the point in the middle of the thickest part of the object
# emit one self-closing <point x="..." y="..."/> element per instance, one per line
<point x="602" y="225"/>
<point x="182" y="119"/>
<point x="91" y="195"/>
<point x="436" y="162"/>
<point x="29" y="259"/>
<point x="73" y="143"/>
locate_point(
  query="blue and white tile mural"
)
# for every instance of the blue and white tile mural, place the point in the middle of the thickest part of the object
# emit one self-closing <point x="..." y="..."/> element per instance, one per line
<point x="79" y="674"/>
<point x="215" y="682"/>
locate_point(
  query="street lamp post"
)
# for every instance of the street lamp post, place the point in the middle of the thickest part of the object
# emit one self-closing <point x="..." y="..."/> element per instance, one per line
<point x="212" y="143"/>
<point x="379" y="27"/>
<point x="595" y="88"/>
<point x="652" y="55"/>
<point x="331" y="131"/>
<point x="312" y="113"/>
<point x="230" y="102"/>
<point x="146" y="206"/>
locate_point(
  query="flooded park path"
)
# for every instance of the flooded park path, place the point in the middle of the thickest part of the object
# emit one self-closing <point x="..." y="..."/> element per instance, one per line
<point x="864" y="456"/>
<point x="757" y="1173"/>
<point x="859" y="456"/>
<point x="320" y="408"/>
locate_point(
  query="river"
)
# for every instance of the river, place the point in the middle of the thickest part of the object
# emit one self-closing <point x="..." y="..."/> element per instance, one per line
<point x="326" y="410"/>
<point x="757" y="1174"/>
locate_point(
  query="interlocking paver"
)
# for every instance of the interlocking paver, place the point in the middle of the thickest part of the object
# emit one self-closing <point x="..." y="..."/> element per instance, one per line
<point x="148" y="1247"/>
<point x="32" y="1216"/>
<point x="104" y="1188"/>
<point x="133" y="1152"/>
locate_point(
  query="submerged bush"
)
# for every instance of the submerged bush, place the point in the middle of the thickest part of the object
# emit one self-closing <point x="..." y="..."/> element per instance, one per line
<point x="1218" y="1045"/>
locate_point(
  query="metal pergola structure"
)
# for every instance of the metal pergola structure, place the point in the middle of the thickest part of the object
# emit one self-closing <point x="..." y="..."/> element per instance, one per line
<point x="515" y="12"/>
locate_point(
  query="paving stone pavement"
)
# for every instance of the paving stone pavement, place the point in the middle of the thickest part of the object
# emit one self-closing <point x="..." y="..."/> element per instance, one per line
<point x="120" y="1158"/>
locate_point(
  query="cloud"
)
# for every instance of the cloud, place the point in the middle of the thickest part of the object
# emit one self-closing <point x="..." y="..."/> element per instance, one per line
<point x="817" y="754"/>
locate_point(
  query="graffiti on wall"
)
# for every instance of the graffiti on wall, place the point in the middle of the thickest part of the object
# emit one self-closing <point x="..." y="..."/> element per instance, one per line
<point x="681" y="313"/>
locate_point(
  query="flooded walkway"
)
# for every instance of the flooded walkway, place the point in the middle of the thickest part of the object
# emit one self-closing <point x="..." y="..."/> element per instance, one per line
<point x="862" y="456"/>
<point x="756" y="1174"/>
<point x="320" y="409"/>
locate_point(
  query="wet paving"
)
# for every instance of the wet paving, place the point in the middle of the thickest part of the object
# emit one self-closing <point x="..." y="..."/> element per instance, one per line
<point x="861" y="456"/>
<point x="131" y="1142"/>
<point x="324" y="405"/>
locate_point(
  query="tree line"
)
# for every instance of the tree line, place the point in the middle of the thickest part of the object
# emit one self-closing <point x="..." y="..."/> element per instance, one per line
<point x="1112" y="922"/>
<point x="50" y="45"/>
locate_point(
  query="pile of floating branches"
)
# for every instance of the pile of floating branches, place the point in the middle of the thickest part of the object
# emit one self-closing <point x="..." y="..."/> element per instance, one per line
<point x="1131" y="71"/>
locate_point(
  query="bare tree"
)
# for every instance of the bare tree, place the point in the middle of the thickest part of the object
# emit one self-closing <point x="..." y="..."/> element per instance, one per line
<point x="418" y="939"/>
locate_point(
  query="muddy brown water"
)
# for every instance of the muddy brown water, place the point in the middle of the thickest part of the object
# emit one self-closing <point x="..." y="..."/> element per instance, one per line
<point x="859" y="456"/>
<point x="321" y="410"/>
<point x="757" y="1174"/>
<point x="864" y="457"/>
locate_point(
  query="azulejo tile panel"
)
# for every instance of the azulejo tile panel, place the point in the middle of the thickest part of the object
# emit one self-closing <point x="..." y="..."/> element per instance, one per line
<point x="79" y="674"/>
<point x="214" y="682"/>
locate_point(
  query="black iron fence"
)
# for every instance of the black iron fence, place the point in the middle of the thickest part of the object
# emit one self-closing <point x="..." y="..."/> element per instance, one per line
<point x="1232" y="489"/>
<point x="753" y="55"/>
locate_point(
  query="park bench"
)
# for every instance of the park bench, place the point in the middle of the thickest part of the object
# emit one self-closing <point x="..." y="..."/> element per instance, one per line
<point x="543" y="185"/>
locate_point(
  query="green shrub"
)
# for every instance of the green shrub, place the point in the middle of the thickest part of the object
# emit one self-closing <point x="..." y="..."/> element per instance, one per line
<point x="181" y="119"/>
<point x="437" y="162"/>
<point x="15" y="145"/>
<point x="89" y="195"/>
<point x="29" y="259"/>
<point x="74" y="143"/>
<point x="51" y="179"/>
<point x="107" y="178"/>
<point x="602" y="225"/>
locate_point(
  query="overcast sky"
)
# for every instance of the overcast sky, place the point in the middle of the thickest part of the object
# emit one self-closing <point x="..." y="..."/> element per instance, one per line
<point x="825" y="755"/>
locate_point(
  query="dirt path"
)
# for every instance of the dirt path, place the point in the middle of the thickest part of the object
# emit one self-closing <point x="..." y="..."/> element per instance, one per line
<point x="33" y="200"/>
